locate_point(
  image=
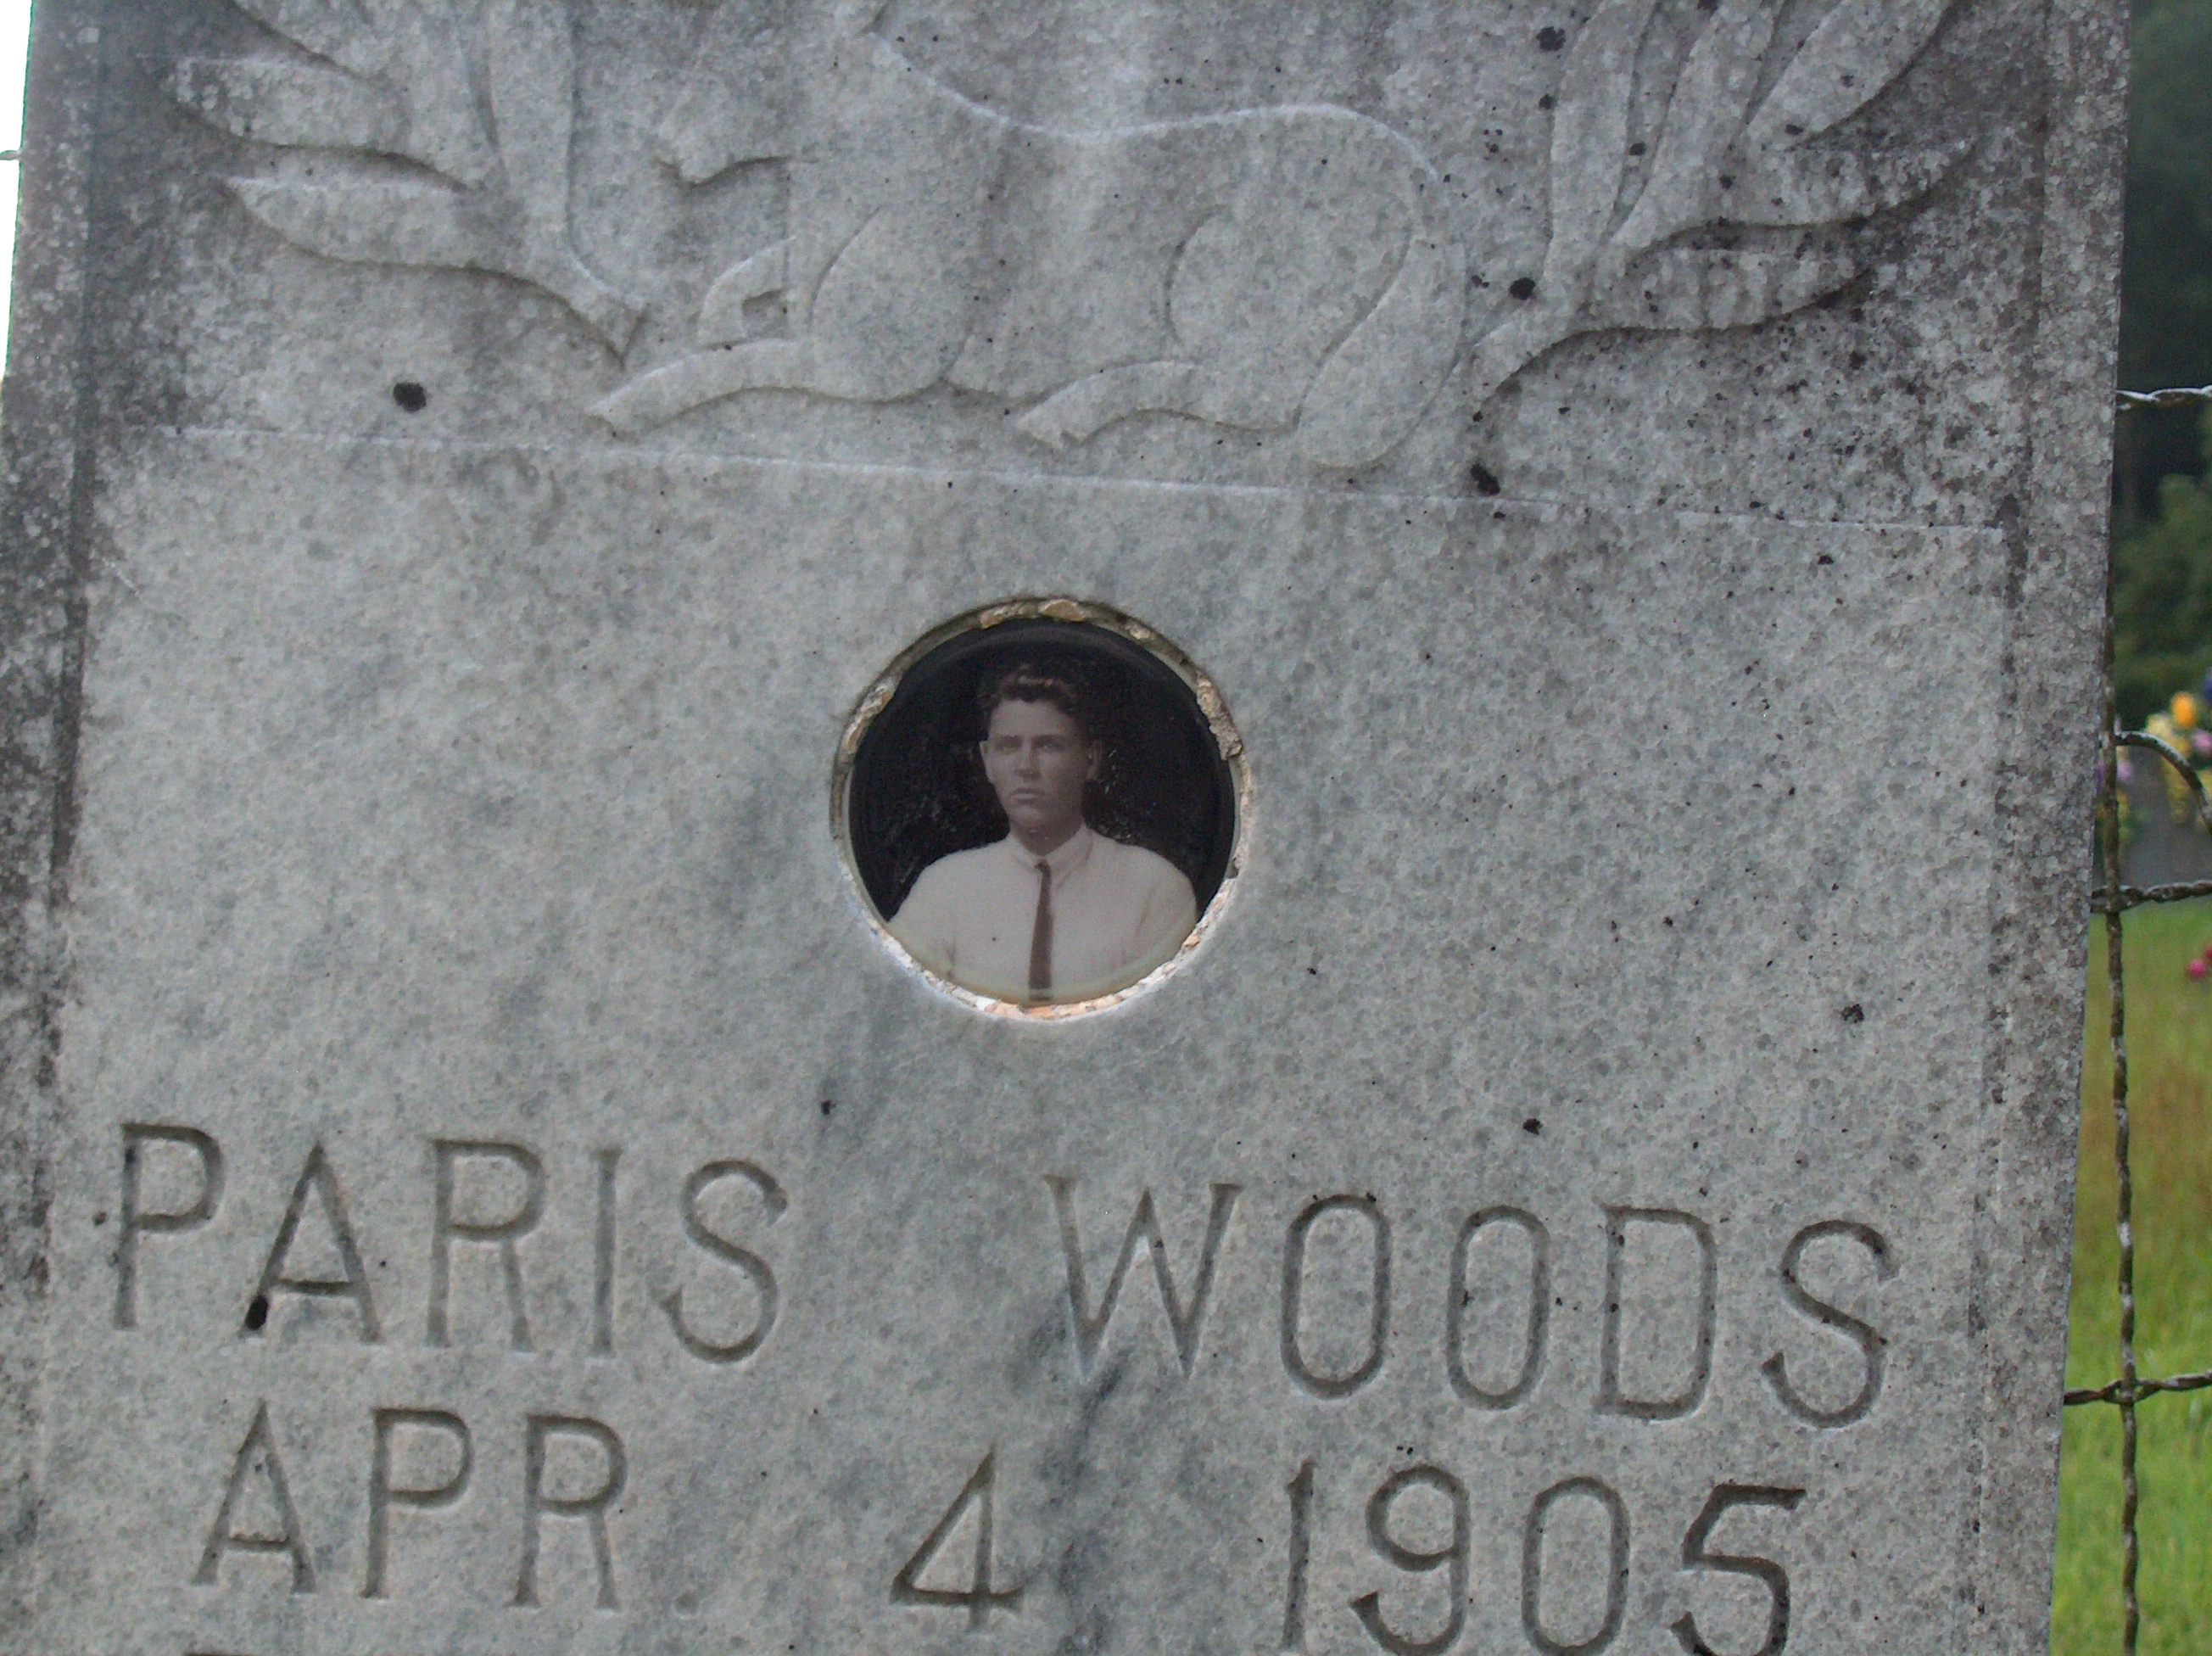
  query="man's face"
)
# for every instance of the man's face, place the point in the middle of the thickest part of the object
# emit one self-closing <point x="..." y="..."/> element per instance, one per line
<point x="1037" y="762"/>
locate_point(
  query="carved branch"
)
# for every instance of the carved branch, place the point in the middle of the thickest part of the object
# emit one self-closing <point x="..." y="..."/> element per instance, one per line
<point x="1717" y="162"/>
<point x="403" y="85"/>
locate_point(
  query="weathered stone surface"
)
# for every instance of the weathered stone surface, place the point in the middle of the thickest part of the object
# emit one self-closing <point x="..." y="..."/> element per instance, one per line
<point x="479" y="1179"/>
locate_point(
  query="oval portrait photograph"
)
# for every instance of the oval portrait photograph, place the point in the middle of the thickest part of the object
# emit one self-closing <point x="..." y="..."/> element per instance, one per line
<point x="1043" y="810"/>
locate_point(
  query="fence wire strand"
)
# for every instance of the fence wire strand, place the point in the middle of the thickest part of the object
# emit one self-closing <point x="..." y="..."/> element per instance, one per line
<point x="2112" y="900"/>
<point x="2172" y="397"/>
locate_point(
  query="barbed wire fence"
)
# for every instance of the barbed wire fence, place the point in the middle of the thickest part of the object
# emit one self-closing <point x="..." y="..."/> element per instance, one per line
<point x="2113" y="899"/>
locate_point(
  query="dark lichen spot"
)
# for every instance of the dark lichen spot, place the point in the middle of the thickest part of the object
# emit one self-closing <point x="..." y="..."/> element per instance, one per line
<point x="1854" y="1013"/>
<point x="410" y="396"/>
<point x="1485" y="480"/>
<point x="1524" y="288"/>
<point x="1531" y="1126"/>
<point x="1550" y="39"/>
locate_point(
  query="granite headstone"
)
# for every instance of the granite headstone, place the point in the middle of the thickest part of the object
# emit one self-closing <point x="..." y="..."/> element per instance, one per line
<point x="1555" y="546"/>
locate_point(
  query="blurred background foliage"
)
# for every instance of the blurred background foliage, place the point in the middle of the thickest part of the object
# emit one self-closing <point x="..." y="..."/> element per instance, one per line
<point x="2162" y="635"/>
<point x="2162" y="527"/>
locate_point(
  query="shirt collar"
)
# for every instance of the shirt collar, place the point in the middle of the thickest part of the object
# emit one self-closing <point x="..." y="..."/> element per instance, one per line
<point x="1064" y="861"/>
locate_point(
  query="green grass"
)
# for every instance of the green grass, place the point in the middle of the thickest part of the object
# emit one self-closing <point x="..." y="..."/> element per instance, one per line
<point x="2170" y="1094"/>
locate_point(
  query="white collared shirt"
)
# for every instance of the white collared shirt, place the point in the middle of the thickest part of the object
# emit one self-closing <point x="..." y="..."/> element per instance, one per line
<point x="1117" y="911"/>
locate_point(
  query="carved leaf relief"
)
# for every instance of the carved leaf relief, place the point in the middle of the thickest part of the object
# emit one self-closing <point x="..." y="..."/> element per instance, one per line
<point x="1682" y="289"/>
<point x="1858" y="49"/>
<point x="1789" y="187"/>
<point x="1589" y="138"/>
<point x="1711" y="97"/>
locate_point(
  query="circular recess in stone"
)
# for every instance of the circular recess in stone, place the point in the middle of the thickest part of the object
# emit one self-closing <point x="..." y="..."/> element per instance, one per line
<point x="1041" y="804"/>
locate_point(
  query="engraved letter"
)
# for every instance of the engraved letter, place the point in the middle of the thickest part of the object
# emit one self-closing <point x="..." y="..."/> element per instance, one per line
<point x="1533" y="1547"/>
<point x="352" y="1285"/>
<point x="1294" y="1288"/>
<point x="256" y="1457"/>
<point x="384" y="1494"/>
<point x="591" y="1506"/>
<point x="721" y="1247"/>
<point x="1183" y="1321"/>
<point x="1300" y="1490"/>
<point x="137" y="1220"/>
<point x="1539" y="1307"/>
<point x="602" y="1259"/>
<point x="503" y="1233"/>
<point x="1870" y="1343"/>
<point x="1612" y="1399"/>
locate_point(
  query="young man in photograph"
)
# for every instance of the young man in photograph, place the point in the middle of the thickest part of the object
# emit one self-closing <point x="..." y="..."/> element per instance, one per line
<point x="1055" y="911"/>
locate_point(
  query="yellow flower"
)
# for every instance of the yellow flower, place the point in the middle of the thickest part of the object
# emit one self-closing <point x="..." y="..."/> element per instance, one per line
<point x="2184" y="708"/>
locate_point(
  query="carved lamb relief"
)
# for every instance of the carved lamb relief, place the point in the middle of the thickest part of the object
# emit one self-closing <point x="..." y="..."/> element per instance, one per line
<point x="1270" y="269"/>
<point x="1293" y="269"/>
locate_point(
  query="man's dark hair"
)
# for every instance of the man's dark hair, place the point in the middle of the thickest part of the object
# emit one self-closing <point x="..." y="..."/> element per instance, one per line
<point x="1038" y="681"/>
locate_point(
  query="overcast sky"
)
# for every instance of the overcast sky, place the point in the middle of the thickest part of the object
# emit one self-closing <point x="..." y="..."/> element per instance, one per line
<point x="14" y="27"/>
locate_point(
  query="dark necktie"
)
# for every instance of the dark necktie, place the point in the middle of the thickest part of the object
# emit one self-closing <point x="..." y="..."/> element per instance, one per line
<point x="1041" y="938"/>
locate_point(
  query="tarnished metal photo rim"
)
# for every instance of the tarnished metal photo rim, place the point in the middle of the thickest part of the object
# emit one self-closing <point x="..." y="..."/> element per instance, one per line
<point x="1212" y="707"/>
